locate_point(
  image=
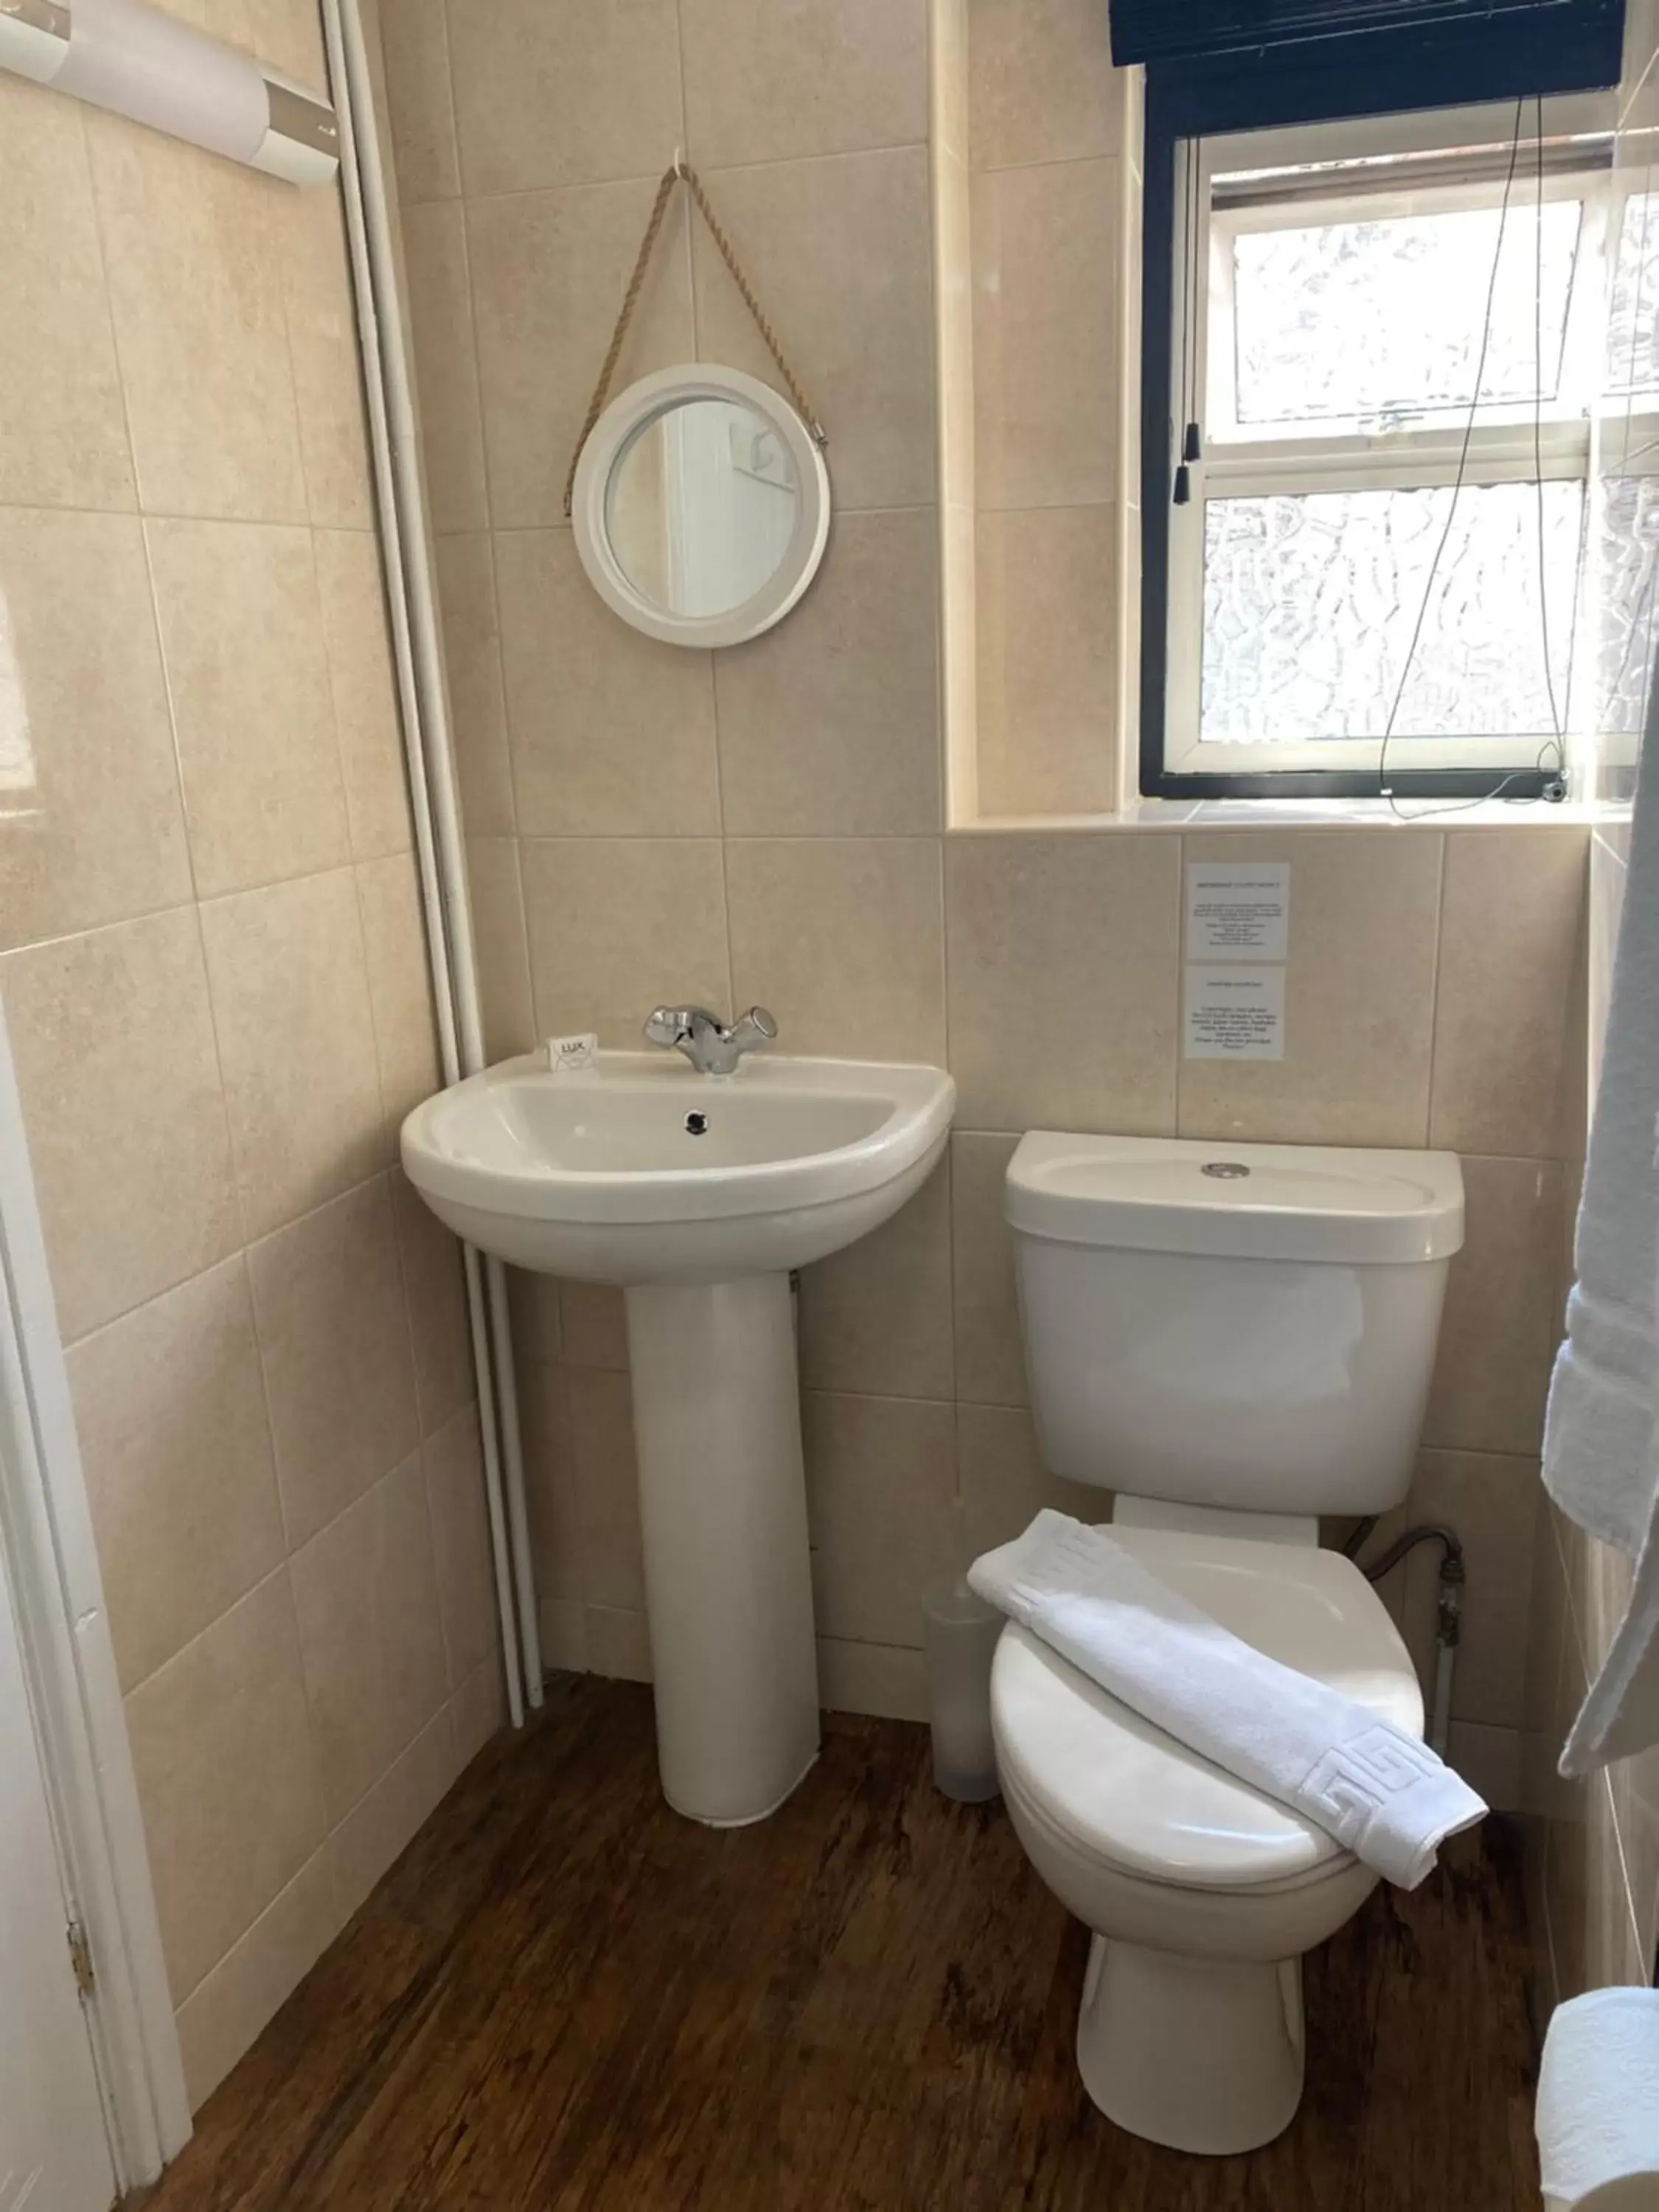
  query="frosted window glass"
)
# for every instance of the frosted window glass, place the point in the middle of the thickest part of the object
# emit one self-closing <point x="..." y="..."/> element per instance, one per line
<point x="1310" y="601"/>
<point x="1380" y="321"/>
<point x="1633" y="313"/>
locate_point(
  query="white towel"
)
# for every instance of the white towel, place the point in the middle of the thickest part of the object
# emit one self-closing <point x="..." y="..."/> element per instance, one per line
<point x="1383" y="1794"/>
<point x="1599" y="1462"/>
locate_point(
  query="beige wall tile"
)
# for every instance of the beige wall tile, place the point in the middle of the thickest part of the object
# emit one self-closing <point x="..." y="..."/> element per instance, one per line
<point x="990" y="1354"/>
<point x="297" y="1038"/>
<point x="322" y="336"/>
<point x="886" y="1678"/>
<point x="290" y="34"/>
<point x="453" y="1460"/>
<point x="241" y="628"/>
<point x="1046" y="260"/>
<point x="365" y="691"/>
<point x="192" y="256"/>
<point x="1063" y="954"/>
<point x="1046" y="675"/>
<point x="619" y="925"/>
<point x="829" y="724"/>
<point x="607" y="1486"/>
<point x="477" y="1710"/>
<point x="556" y="1530"/>
<point x="1042" y="87"/>
<point x="555" y="92"/>
<point x="548" y="272"/>
<point x="226" y="2009"/>
<point x="1489" y="1760"/>
<point x="399" y="987"/>
<point x="114" y="1042"/>
<point x="419" y="104"/>
<point x="858" y="326"/>
<point x="374" y="1834"/>
<point x="94" y="830"/>
<point x="1509" y="943"/>
<point x="366" y="1596"/>
<point x="842" y="938"/>
<point x="881" y="1473"/>
<point x="765" y="83"/>
<point x="564" y="1635"/>
<point x="593" y="1323"/>
<point x="445" y="366"/>
<point x="1490" y="1503"/>
<point x="1501" y="1322"/>
<point x="472" y="660"/>
<point x="55" y="336"/>
<point x="226" y="1778"/>
<point x="612" y="733"/>
<point x="502" y="945"/>
<point x="1358" y="996"/>
<point x="618" y="1644"/>
<point x="953" y="308"/>
<point x="435" y="1288"/>
<point x="328" y="1304"/>
<point x="1003" y="1483"/>
<point x="170" y="1409"/>
<point x="533" y="1305"/>
<point x="876" y="1318"/>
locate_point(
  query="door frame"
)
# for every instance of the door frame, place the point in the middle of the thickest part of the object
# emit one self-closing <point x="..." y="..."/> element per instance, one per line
<point x="46" y="1536"/>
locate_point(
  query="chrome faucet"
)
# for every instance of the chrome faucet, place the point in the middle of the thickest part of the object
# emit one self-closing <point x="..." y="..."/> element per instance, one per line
<point x="711" y="1047"/>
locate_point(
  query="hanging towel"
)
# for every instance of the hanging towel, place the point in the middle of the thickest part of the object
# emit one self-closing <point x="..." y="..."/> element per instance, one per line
<point x="1599" y="1437"/>
<point x="1383" y="1794"/>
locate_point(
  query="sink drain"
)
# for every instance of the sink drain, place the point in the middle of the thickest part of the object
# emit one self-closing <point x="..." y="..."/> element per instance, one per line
<point x="696" y="1125"/>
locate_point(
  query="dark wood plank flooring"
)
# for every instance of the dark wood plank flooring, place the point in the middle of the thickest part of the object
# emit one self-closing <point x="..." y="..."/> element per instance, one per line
<point x="565" y="1997"/>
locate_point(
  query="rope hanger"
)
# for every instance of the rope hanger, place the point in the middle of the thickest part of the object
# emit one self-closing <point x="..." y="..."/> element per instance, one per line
<point x="681" y="172"/>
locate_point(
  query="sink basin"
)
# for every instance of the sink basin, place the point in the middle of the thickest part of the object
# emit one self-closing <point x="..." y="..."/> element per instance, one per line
<point x="698" y="1194"/>
<point x="642" y="1170"/>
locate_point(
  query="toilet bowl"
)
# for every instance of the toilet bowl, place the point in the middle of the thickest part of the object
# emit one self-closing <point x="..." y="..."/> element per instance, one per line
<point x="1202" y="1894"/>
<point x="1233" y="1340"/>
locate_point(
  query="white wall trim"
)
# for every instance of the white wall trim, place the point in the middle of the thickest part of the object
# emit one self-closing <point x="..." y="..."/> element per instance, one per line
<point x="46" y="1530"/>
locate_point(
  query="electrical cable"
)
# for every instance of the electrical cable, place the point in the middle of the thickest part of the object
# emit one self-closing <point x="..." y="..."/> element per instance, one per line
<point x="1554" y="744"/>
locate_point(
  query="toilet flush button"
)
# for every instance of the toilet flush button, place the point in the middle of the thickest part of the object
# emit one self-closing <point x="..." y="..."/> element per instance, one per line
<point x="1225" y="1170"/>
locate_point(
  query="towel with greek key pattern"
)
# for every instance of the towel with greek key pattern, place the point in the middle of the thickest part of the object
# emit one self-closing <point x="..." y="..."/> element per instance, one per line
<point x="1383" y="1794"/>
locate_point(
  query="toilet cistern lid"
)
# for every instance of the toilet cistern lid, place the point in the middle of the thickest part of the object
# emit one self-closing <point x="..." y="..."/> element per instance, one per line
<point x="1252" y="1202"/>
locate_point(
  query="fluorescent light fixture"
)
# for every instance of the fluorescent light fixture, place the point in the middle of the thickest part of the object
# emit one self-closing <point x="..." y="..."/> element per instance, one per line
<point x="138" y="61"/>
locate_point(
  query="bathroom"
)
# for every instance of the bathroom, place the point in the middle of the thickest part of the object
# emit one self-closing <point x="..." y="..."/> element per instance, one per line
<point x="328" y="776"/>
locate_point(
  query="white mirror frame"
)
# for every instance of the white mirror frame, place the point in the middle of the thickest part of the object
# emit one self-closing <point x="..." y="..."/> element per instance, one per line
<point x="626" y="416"/>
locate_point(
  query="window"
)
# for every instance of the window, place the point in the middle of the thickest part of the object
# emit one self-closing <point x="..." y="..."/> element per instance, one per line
<point x="1400" y="337"/>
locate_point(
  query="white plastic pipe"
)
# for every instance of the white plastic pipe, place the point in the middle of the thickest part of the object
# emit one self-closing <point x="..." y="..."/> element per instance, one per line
<point x="394" y="441"/>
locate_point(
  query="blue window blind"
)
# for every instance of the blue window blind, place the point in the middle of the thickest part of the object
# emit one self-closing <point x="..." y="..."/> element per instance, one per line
<point x="1580" y="38"/>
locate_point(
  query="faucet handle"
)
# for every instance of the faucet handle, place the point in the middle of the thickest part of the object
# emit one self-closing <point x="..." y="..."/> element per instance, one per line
<point x="756" y="1027"/>
<point x="672" y="1025"/>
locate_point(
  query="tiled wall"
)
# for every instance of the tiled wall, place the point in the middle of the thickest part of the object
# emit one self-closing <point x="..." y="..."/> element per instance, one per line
<point x="212" y="970"/>
<point x="1593" y="1845"/>
<point x="766" y="824"/>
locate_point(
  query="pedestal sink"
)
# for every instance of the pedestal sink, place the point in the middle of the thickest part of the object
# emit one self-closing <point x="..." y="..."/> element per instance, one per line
<point x="698" y="1194"/>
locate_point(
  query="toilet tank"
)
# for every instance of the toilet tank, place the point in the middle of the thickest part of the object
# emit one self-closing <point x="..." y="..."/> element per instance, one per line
<point x="1246" y="1326"/>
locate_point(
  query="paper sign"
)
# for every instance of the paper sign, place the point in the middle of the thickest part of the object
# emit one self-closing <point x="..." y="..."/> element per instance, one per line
<point x="1239" y="910"/>
<point x="1235" y="1013"/>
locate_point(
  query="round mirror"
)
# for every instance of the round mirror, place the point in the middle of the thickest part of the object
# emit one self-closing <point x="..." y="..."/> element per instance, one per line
<point x="701" y="505"/>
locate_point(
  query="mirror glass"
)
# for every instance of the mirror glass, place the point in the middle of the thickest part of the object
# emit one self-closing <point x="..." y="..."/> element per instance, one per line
<point x="701" y="507"/>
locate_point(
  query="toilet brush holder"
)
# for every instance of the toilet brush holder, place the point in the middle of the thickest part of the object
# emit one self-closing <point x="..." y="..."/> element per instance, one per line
<point x="960" y="1635"/>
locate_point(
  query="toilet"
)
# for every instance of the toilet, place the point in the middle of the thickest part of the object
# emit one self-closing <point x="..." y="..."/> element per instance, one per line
<point x="1233" y="1340"/>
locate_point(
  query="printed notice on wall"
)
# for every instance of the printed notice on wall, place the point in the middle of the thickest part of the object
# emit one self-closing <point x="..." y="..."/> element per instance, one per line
<point x="1239" y="910"/>
<point x="1235" y="1013"/>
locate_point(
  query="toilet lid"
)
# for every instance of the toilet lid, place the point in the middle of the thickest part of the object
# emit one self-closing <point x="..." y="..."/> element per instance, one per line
<point x="1124" y="1791"/>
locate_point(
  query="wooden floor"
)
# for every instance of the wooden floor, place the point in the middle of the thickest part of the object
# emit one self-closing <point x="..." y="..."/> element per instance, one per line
<point x="563" y="1996"/>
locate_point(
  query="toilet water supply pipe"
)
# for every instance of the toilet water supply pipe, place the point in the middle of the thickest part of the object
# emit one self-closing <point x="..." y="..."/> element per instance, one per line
<point x="1448" y="1607"/>
<point x="394" y="440"/>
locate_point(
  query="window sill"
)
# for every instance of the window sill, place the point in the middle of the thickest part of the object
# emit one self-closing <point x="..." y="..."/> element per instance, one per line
<point x="1177" y="814"/>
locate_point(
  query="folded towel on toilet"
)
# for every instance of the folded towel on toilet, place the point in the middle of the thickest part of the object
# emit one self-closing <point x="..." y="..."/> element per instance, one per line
<point x="1383" y="1794"/>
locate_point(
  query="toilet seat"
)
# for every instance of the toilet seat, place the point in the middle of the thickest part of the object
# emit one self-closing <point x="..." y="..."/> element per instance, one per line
<point x="1119" y="1793"/>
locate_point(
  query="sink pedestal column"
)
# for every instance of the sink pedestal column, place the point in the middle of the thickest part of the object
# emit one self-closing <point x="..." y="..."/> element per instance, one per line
<point x="727" y="1574"/>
